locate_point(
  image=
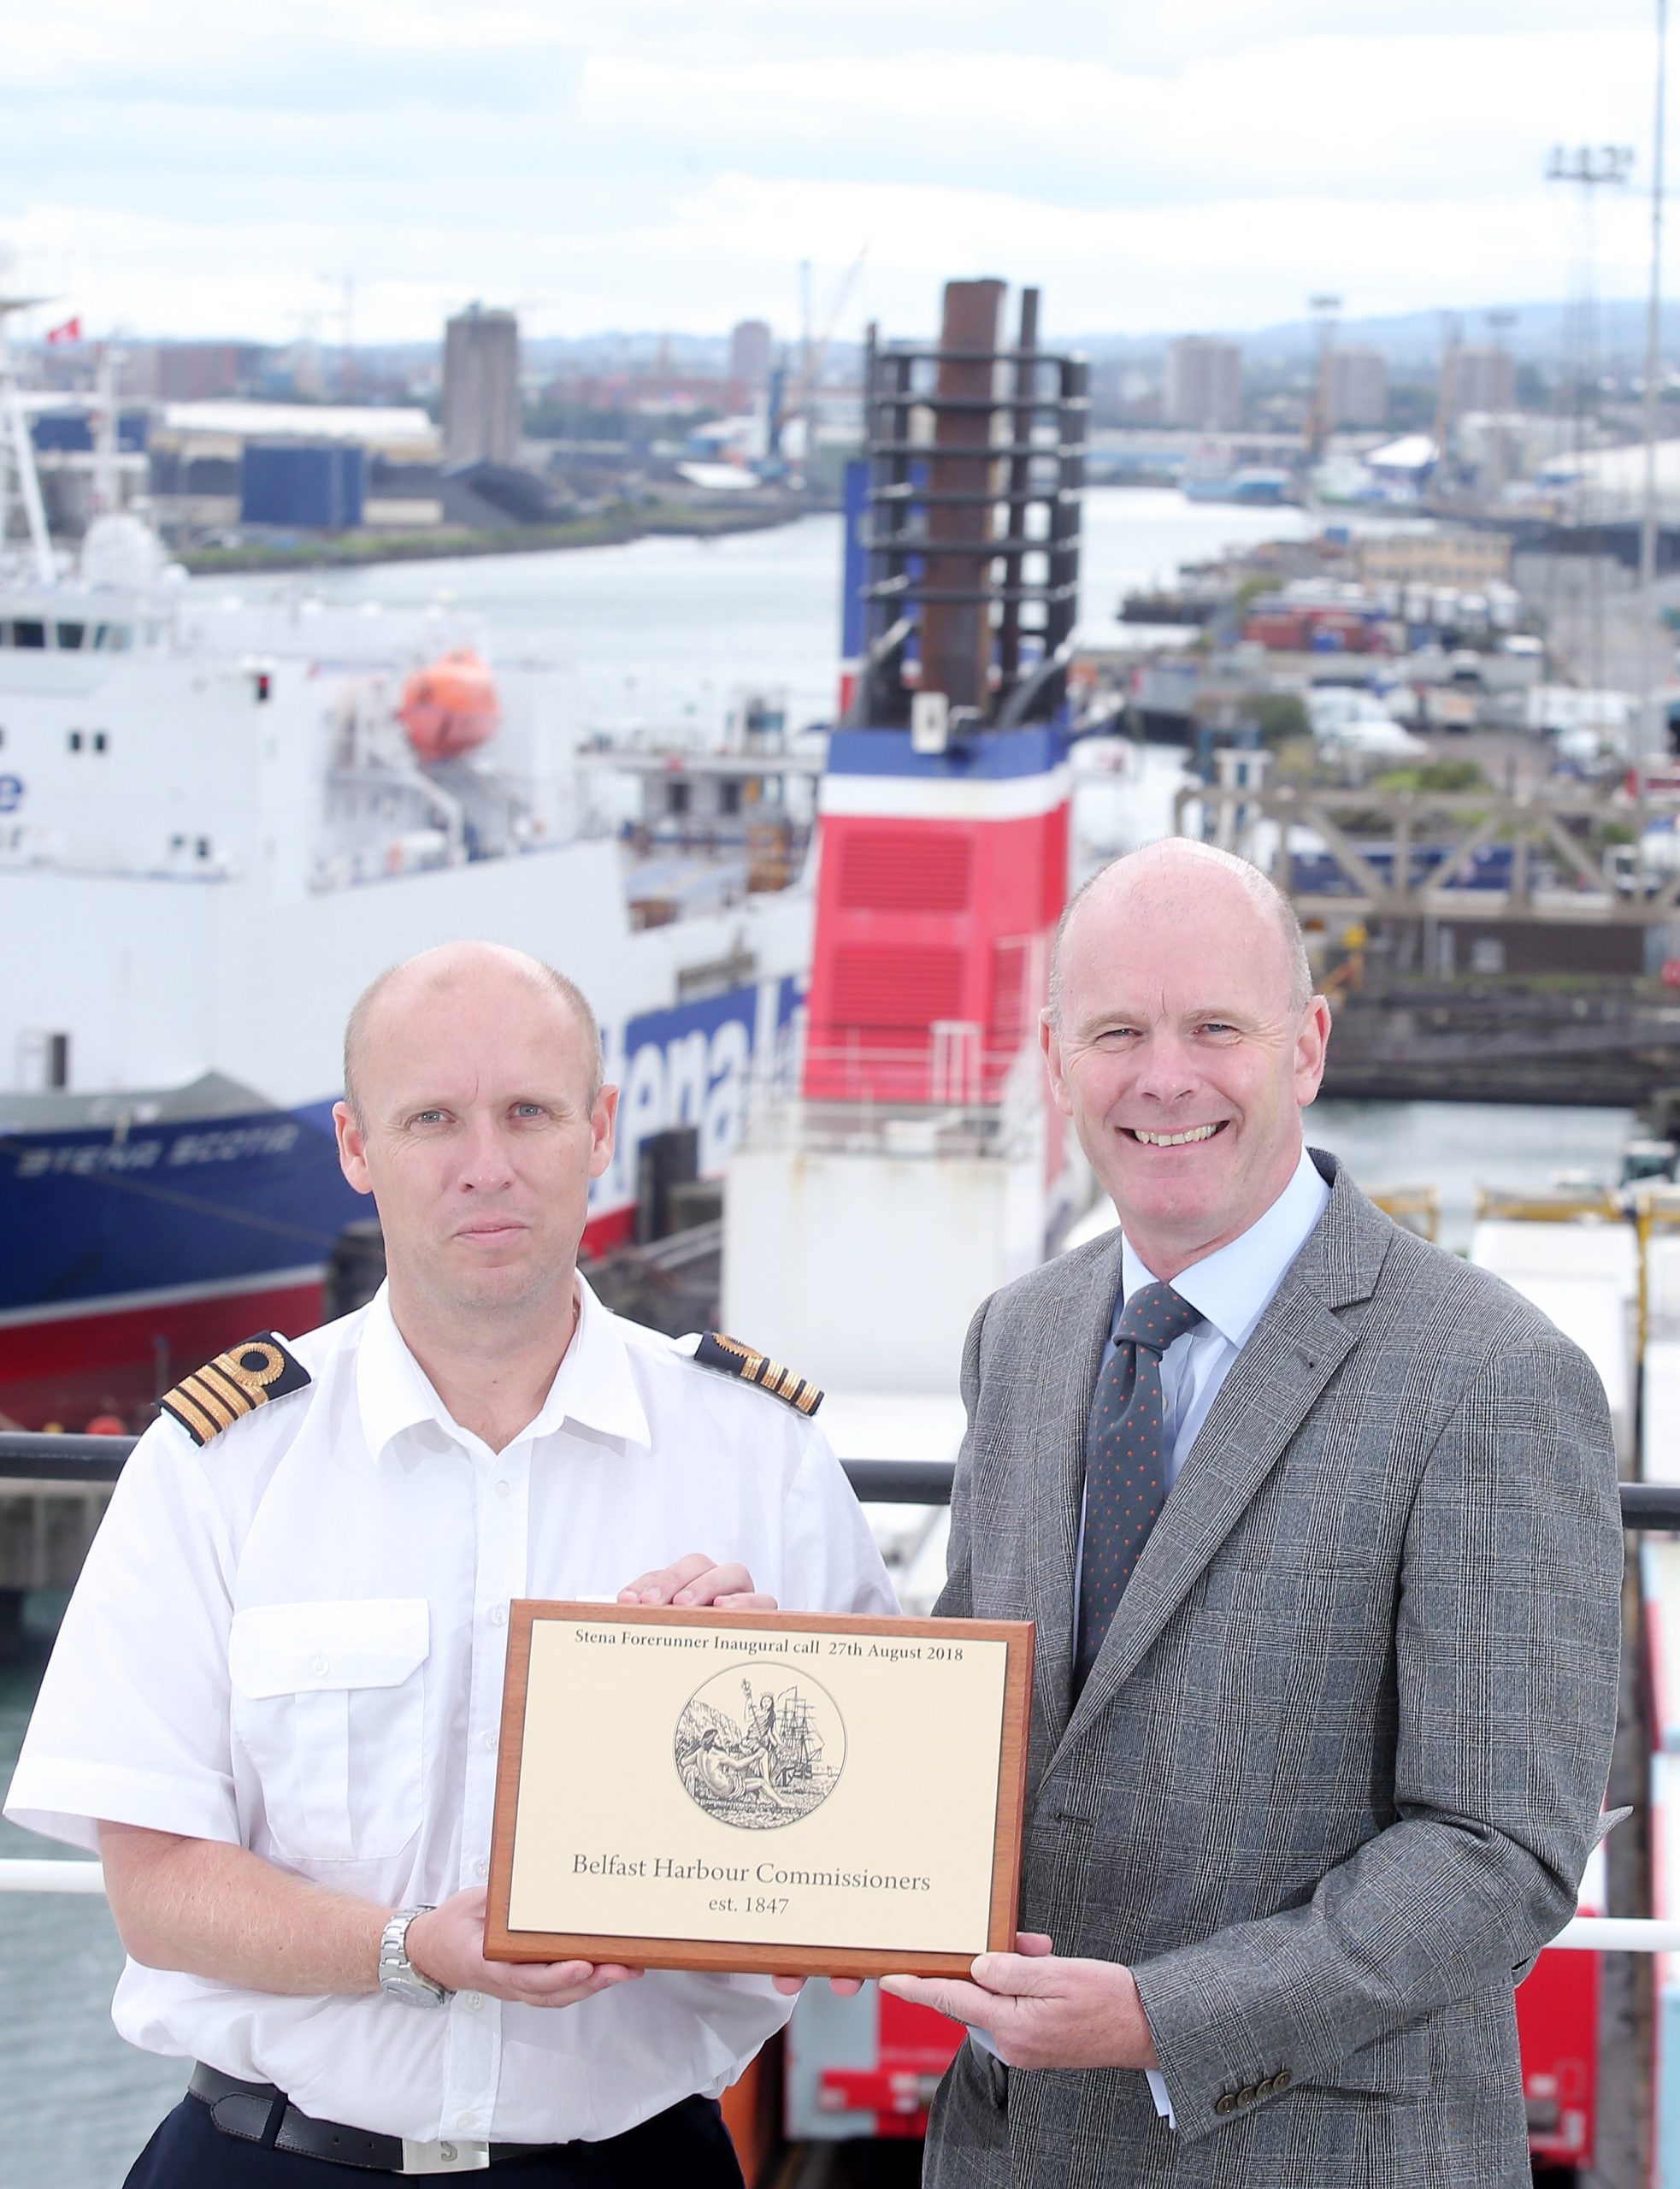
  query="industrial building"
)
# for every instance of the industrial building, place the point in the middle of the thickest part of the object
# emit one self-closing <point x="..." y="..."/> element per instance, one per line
<point x="303" y="467"/>
<point x="1204" y="386"/>
<point x="1484" y="380"/>
<point x="1461" y="558"/>
<point x="750" y="348"/>
<point x="481" y="406"/>
<point x="1359" y="387"/>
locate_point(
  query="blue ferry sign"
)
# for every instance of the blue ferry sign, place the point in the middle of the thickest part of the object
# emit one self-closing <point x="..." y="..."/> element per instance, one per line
<point x="11" y="793"/>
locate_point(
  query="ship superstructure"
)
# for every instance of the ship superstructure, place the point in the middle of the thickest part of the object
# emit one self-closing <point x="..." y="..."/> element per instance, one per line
<point x="218" y="821"/>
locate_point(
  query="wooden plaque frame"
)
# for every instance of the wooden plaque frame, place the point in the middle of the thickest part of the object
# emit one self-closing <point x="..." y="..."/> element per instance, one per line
<point x="808" y="1958"/>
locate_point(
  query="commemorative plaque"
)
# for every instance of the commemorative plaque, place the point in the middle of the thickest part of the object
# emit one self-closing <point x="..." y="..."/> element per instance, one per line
<point x="770" y="1791"/>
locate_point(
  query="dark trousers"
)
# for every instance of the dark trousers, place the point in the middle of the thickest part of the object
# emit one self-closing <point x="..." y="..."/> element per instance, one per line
<point x="688" y="2144"/>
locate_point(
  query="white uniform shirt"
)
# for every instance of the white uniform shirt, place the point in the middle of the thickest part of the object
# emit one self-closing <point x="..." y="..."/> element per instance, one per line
<point x="293" y="1640"/>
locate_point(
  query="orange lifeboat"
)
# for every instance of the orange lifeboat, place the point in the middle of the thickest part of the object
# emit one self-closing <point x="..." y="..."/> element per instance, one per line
<point x="451" y="706"/>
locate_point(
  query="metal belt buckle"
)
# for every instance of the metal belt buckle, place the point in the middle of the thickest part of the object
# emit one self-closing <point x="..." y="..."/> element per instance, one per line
<point x="452" y="2155"/>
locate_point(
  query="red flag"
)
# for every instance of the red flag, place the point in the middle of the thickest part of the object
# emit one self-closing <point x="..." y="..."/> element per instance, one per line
<point x="70" y="331"/>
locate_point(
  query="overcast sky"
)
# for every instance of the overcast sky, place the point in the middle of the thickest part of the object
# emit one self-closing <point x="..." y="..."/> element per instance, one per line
<point x="210" y="166"/>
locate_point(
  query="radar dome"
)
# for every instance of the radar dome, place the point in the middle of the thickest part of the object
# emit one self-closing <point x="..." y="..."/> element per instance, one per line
<point x="120" y="550"/>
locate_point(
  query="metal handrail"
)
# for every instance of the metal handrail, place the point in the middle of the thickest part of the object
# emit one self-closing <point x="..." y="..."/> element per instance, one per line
<point x="98" y="1459"/>
<point x="96" y="1462"/>
<point x="1580" y="1934"/>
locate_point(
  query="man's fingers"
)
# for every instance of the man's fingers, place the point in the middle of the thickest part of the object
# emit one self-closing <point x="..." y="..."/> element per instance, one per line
<point x="697" y="1579"/>
<point x="561" y="1982"/>
<point x="945" y="1995"/>
<point x="714" y="1581"/>
<point x="1034" y="1942"/>
<point x="544" y="1976"/>
<point x="1019" y="1975"/>
<point x="660" y="1586"/>
<point x="748" y="1600"/>
<point x="843" y="1987"/>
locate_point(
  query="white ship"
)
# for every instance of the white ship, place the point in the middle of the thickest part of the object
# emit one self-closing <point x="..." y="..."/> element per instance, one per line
<point x="218" y="821"/>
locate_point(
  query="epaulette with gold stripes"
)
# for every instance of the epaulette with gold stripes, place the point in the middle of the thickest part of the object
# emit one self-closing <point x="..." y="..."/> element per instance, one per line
<point x="734" y="1359"/>
<point x="213" y="1397"/>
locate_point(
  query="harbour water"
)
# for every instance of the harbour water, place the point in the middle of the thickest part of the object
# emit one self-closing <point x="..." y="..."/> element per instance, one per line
<point x="664" y="634"/>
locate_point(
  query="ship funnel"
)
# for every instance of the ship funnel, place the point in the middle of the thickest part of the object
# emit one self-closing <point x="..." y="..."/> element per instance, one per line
<point x="966" y="512"/>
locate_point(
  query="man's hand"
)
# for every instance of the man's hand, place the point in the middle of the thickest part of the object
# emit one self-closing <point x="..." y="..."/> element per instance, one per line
<point x="695" y="1580"/>
<point x="1041" y="2010"/>
<point x="447" y="1944"/>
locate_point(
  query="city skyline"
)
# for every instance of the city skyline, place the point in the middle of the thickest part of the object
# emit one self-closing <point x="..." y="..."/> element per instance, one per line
<point x="364" y="169"/>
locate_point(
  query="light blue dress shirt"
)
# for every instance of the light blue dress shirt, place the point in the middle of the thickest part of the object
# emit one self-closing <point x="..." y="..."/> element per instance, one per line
<point x="1232" y="1286"/>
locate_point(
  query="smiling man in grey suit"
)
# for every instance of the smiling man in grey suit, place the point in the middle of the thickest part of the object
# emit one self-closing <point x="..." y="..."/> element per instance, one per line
<point x="1319" y="1527"/>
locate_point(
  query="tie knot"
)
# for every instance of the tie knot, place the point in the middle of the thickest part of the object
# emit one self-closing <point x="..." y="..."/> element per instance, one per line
<point x="1154" y="1315"/>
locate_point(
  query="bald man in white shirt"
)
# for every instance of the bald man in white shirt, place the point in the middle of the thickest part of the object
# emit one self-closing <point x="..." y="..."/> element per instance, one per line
<point x="275" y="1703"/>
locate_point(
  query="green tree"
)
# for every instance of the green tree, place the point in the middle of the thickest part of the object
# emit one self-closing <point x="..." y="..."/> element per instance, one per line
<point x="1280" y="716"/>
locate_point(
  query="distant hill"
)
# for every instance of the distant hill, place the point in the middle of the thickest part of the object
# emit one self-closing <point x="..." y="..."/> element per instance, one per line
<point x="1415" y="338"/>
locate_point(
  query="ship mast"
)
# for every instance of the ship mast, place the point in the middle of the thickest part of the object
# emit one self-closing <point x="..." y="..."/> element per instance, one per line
<point x="107" y="491"/>
<point x="17" y="451"/>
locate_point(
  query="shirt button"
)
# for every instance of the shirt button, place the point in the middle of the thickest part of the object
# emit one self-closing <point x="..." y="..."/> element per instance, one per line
<point x="501" y="1488"/>
<point x="497" y="1614"/>
<point x="472" y="2000"/>
<point x="318" y="1666"/>
<point x="486" y="1741"/>
<point x="480" y="1869"/>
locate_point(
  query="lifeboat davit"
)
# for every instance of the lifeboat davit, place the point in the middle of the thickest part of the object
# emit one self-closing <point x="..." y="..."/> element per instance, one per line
<point x="451" y="706"/>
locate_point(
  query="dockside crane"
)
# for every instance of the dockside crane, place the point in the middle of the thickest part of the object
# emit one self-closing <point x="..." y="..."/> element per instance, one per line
<point x="813" y="353"/>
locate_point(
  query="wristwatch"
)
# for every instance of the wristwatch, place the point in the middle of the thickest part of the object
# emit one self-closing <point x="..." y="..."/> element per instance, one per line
<point x="397" y="1972"/>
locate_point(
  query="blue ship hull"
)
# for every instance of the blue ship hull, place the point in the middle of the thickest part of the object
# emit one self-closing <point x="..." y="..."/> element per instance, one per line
<point x="126" y="1257"/>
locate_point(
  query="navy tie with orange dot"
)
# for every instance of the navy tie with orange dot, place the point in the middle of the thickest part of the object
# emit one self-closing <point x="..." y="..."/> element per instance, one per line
<point x="1125" y="1459"/>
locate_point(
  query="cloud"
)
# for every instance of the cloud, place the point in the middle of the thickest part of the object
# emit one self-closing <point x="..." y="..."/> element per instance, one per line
<point x="205" y="167"/>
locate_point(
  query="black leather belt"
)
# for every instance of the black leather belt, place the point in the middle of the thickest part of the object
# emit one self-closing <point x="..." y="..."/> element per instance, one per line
<point x="244" y="2110"/>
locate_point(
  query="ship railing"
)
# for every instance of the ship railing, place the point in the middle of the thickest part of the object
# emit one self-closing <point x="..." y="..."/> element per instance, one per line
<point x="1646" y="1506"/>
<point x="950" y="1093"/>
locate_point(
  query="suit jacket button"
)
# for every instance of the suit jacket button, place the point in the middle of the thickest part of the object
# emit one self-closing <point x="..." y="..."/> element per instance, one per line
<point x="1283" y="2078"/>
<point x="1225" y="2104"/>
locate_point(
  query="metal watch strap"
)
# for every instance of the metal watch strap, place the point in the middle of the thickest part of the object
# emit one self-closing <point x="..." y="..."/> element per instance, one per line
<point x="397" y="1972"/>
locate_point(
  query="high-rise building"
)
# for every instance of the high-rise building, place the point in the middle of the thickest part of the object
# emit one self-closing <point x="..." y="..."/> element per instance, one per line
<point x="749" y="356"/>
<point x="1204" y="383"/>
<point x="1359" y="387"/>
<point x="1484" y="380"/>
<point x="192" y="372"/>
<point x="481" y="387"/>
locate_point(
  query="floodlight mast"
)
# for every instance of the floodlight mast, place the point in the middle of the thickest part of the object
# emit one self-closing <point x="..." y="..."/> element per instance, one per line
<point x="1652" y="736"/>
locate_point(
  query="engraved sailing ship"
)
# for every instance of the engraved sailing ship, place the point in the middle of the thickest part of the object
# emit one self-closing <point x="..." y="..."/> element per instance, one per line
<point x="760" y="1752"/>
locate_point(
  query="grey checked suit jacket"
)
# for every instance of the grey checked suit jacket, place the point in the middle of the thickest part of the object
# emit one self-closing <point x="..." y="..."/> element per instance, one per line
<point x="1336" y="1773"/>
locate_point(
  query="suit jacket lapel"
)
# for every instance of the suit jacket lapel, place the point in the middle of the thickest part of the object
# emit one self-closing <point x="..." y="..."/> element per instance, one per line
<point x="1073" y="1335"/>
<point x="1296" y="1347"/>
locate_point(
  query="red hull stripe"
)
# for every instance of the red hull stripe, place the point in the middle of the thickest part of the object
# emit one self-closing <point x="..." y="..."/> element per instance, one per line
<point x="117" y="1356"/>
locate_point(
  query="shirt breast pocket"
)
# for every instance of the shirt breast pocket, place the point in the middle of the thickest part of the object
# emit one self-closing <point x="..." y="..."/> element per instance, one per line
<point x="329" y="1703"/>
